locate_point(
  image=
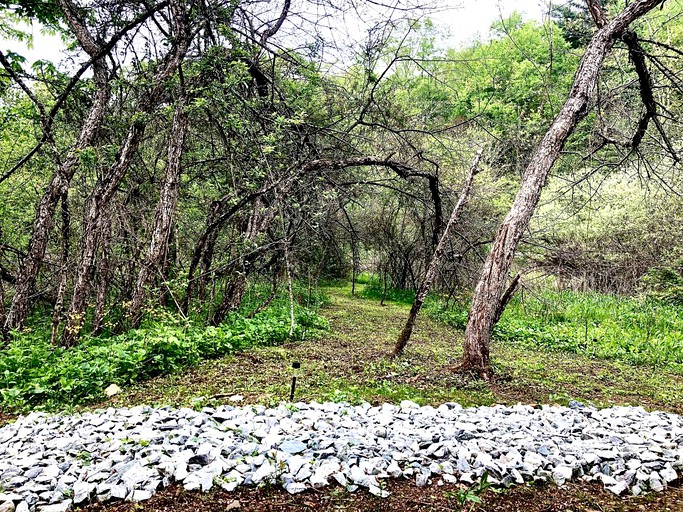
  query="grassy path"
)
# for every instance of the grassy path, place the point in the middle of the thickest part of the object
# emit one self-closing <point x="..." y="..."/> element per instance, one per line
<point x="350" y="363"/>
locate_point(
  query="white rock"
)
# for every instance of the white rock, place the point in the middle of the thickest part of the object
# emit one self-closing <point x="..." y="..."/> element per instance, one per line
<point x="668" y="474"/>
<point x="57" y="507"/>
<point x="561" y="474"/>
<point x="112" y="390"/>
<point x="656" y="484"/>
<point x="266" y="471"/>
<point x="82" y="491"/>
<point x="294" y="487"/>
<point x="449" y="479"/>
<point x="148" y="448"/>
<point x="140" y="495"/>
<point x="377" y="491"/>
<point x="618" y="488"/>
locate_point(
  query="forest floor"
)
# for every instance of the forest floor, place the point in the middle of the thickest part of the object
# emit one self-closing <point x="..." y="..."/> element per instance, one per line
<point x="351" y="364"/>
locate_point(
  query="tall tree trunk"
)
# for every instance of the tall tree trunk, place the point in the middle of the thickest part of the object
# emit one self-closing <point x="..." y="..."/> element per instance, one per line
<point x="168" y="261"/>
<point x="108" y="186"/>
<point x="430" y="274"/>
<point x="165" y="210"/>
<point x="104" y="274"/>
<point x="487" y="300"/>
<point x="99" y="201"/>
<point x="57" y="188"/>
<point x="63" y="271"/>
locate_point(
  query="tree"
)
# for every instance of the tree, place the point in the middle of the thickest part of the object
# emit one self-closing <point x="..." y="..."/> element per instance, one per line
<point x="430" y="274"/>
<point x="100" y="198"/>
<point x="489" y="295"/>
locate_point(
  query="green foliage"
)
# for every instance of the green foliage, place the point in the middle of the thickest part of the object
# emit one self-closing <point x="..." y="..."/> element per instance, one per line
<point x="647" y="331"/>
<point x="46" y="12"/>
<point x="33" y="373"/>
<point x="375" y="290"/>
<point x="606" y="234"/>
<point x="471" y="496"/>
<point x="516" y="81"/>
<point x="664" y="284"/>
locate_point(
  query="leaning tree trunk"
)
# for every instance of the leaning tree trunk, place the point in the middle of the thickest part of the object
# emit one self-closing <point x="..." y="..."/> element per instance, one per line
<point x="203" y="254"/>
<point x="57" y="188"/>
<point x="107" y="187"/>
<point x="97" y="205"/>
<point x="435" y="261"/>
<point x="63" y="271"/>
<point x="488" y="295"/>
<point x="259" y="221"/>
<point x="163" y="216"/>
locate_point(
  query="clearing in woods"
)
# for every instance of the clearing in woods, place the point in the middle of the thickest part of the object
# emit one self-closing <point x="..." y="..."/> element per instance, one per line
<point x="350" y="364"/>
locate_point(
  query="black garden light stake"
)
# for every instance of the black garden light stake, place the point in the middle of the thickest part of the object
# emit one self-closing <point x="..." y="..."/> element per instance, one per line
<point x="295" y="371"/>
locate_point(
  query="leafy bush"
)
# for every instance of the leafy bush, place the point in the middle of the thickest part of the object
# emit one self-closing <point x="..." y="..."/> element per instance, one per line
<point x="35" y="373"/>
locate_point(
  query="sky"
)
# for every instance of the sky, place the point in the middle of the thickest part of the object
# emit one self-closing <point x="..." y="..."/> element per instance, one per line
<point x="464" y="20"/>
<point x="475" y="16"/>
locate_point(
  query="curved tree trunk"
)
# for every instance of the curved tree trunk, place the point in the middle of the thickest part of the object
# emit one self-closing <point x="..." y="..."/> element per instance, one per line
<point x="487" y="302"/>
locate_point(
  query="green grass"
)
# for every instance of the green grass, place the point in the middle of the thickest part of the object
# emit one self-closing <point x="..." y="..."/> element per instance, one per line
<point x="642" y="332"/>
<point x="351" y="363"/>
<point x="374" y="290"/>
<point x="637" y="331"/>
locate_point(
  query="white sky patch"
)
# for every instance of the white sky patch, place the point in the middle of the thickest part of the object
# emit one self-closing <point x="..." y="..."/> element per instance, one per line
<point x="465" y="21"/>
<point x="473" y="18"/>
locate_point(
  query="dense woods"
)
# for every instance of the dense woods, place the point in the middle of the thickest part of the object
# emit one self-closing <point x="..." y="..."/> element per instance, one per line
<point x="192" y="152"/>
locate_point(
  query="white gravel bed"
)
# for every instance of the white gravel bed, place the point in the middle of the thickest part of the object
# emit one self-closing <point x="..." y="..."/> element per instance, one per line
<point x="50" y="463"/>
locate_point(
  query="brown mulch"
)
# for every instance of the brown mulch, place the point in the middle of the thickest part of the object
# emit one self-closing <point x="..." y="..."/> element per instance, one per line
<point x="405" y="496"/>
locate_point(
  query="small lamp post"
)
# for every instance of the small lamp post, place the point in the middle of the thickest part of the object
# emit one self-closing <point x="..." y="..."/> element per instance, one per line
<point x="296" y="365"/>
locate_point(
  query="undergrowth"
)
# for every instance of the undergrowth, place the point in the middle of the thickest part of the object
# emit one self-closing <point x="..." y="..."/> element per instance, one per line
<point x="38" y="375"/>
<point x="643" y="331"/>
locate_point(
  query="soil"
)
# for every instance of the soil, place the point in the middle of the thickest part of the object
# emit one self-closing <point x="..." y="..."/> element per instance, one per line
<point x="405" y="497"/>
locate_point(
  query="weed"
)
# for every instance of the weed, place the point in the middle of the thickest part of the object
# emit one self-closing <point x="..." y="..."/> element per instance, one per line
<point x="469" y="497"/>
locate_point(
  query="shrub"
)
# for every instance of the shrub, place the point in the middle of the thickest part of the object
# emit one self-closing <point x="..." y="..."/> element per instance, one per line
<point x="34" y="373"/>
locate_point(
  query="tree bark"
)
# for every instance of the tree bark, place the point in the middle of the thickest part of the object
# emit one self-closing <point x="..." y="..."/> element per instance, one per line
<point x="165" y="210"/>
<point x="435" y="261"/>
<point x="107" y="187"/>
<point x="487" y="299"/>
<point x="63" y="271"/>
<point x="61" y="179"/>
<point x="103" y="273"/>
<point x="57" y="188"/>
